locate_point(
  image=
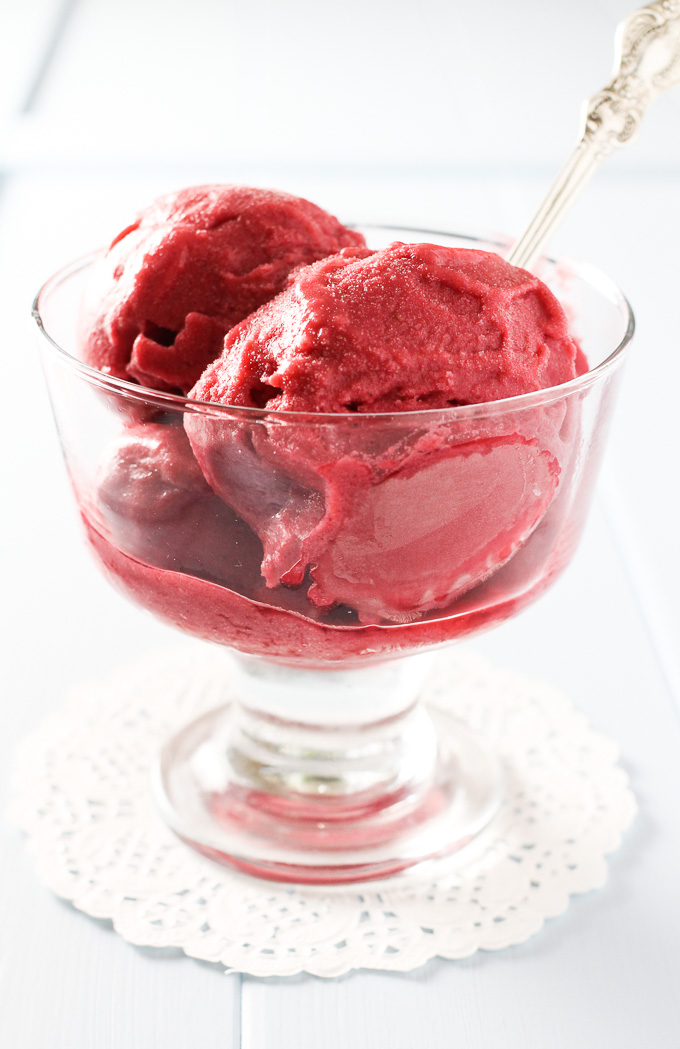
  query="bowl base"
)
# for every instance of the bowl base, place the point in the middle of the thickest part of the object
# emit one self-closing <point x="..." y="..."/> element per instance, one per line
<point x="316" y="829"/>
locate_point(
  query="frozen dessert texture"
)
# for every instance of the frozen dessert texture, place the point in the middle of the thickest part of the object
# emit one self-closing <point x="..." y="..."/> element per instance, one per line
<point x="166" y="540"/>
<point x="414" y="326"/>
<point x="193" y="265"/>
<point x="358" y="514"/>
<point x="393" y="518"/>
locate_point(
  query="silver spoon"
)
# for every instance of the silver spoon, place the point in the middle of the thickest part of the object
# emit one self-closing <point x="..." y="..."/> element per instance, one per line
<point x="647" y="62"/>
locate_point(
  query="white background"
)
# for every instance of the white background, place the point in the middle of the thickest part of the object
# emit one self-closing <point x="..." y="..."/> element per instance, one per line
<point x="443" y="114"/>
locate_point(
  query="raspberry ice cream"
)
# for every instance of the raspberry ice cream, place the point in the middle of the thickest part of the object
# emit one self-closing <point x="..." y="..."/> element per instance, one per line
<point x="349" y="491"/>
<point x="191" y="266"/>
<point x="411" y="327"/>
<point x="393" y="520"/>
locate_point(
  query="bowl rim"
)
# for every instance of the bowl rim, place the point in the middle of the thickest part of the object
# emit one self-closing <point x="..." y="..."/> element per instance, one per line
<point x="535" y="398"/>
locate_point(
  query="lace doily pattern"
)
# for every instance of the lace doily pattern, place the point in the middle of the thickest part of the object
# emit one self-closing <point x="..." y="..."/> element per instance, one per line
<point x="83" y="800"/>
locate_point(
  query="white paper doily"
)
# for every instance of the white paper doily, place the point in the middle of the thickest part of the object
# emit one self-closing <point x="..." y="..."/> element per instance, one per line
<point x="82" y="797"/>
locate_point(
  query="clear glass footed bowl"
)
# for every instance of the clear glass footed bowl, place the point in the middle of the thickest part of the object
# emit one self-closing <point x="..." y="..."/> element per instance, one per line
<point x="323" y="550"/>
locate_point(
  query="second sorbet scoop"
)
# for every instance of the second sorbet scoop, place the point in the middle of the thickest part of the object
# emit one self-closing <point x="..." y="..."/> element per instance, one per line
<point x="393" y="521"/>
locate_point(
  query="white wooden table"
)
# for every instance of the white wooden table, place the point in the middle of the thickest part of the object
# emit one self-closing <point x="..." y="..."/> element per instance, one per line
<point x="444" y="115"/>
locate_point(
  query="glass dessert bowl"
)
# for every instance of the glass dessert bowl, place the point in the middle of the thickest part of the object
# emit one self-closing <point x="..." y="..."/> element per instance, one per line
<point x="340" y="552"/>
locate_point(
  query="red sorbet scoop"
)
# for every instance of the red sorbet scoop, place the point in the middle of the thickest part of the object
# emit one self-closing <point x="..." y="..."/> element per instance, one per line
<point x="393" y="520"/>
<point x="413" y="326"/>
<point x="192" y="266"/>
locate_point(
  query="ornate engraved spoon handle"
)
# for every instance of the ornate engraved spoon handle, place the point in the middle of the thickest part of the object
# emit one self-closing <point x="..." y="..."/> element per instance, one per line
<point x="647" y="62"/>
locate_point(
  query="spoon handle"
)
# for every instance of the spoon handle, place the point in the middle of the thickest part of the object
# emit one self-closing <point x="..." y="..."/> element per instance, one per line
<point x="647" y="62"/>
